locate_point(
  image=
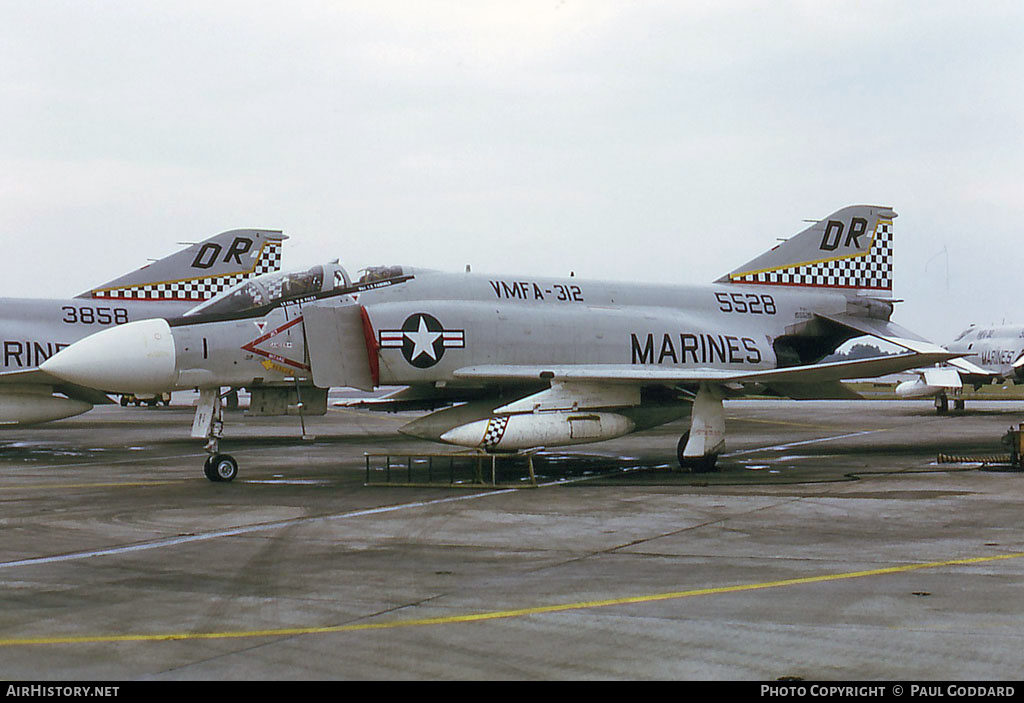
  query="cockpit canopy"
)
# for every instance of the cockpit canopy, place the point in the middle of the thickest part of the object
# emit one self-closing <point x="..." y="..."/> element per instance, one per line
<point x="373" y="274"/>
<point x="272" y="288"/>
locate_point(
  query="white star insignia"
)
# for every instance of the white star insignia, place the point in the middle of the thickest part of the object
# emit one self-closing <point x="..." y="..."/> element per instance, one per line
<point x="423" y="341"/>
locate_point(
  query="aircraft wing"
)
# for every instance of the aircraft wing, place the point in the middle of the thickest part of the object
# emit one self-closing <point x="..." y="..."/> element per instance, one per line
<point x="884" y="330"/>
<point x="943" y="377"/>
<point x="894" y="334"/>
<point x="416" y="398"/>
<point x="967" y="368"/>
<point x="827" y="373"/>
<point x="35" y="377"/>
<point x="954" y="374"/>
<point x="28" y="376"/>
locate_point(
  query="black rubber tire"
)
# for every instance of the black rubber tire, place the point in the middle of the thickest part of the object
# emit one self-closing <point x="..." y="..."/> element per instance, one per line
<point x="697" y="465"/>
<point x="705" y="464"/>
<point x="683" y="463"/>
<point x="221" y="468"/>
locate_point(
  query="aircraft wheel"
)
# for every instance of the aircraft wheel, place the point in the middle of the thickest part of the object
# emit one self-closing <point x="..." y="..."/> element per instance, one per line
<point x="683" y="463"/>
<point x="221" y="468"/>
<point x="704" y="464"/>
<point x="959" y="404"/>
<point x="941" y="404"/>
<point x="694" y="464"/>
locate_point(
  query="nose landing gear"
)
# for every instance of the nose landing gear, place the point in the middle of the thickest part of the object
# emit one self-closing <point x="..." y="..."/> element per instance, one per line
<point x="209" y="425"/>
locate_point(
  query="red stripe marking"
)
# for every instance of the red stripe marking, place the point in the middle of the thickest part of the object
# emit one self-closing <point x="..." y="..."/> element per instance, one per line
<point x="372" y="350"/>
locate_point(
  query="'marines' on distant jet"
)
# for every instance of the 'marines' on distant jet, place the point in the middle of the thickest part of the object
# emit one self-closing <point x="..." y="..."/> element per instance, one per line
<point x="518" y="362"/>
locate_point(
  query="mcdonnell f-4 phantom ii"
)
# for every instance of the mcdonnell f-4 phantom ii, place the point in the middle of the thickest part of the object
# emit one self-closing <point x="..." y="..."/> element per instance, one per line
<point x="989" y="354"/>
<point x="519" y="363"/>
<point x="33" y="330"/>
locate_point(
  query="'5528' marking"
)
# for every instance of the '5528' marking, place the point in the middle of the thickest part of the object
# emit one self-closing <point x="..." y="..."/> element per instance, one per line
<point x="749" y="303"/>
<point x="87" y="315"/>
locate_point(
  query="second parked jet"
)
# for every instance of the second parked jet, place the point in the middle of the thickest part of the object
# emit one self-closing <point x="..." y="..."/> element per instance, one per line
<point x="33" y="330"/>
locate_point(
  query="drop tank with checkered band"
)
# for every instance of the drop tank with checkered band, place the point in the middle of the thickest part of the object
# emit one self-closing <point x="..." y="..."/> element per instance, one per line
<point x="510" y="363"/>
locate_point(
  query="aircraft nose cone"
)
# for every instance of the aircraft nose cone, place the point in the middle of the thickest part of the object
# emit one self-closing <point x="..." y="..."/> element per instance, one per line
<point x="136" y="357"/>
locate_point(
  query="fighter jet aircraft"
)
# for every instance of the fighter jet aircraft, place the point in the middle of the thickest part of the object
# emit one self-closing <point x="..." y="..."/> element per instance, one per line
<point x="990" y="354"/>
<point x="33" y="330"/>
<point x="518" y="363"/>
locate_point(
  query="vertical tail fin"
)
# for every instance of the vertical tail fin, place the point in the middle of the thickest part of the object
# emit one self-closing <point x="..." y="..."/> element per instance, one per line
<point x="201" y="271"/>
<point x="851" y="249"/>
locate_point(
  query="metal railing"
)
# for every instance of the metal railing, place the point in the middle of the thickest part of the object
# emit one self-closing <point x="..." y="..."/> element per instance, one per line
<point x="452" y="469"/>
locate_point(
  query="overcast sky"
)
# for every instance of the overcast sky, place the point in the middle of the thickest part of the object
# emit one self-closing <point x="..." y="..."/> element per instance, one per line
<point x="662" y="141"/>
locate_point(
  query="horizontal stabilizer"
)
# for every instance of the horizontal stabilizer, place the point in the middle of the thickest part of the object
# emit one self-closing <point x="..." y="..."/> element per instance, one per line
<point x="888" y="332"/>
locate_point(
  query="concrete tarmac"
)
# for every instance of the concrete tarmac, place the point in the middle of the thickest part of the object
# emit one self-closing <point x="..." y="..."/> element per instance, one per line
<point x="830" y="546"/>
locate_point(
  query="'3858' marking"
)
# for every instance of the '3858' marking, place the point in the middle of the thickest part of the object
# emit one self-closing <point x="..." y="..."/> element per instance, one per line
<point x="87" y="315"/>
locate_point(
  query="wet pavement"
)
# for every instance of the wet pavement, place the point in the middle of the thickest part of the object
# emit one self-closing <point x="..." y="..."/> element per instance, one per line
<point x="831" y="544"/>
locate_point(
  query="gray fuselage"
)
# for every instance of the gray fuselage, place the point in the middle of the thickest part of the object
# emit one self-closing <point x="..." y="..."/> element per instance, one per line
<point x="428" y="327"/>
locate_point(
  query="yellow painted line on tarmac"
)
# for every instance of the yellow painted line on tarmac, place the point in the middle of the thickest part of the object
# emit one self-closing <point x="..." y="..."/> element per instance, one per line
<point x="499" y="614"/>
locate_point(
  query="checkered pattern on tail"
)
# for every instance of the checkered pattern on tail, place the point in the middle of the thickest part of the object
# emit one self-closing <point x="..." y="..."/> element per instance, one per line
<point x="871" y="271"/>
<point x="196" y="289"/>
<point x="495" y="431"/>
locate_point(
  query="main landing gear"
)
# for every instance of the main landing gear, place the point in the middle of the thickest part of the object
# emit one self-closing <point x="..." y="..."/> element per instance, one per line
<point x="942" y="404"/>
<point x="209" y="425"/>
<point x="698" y="448"/>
